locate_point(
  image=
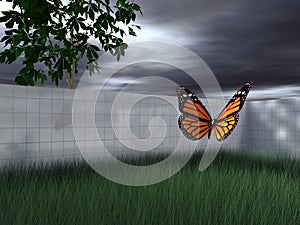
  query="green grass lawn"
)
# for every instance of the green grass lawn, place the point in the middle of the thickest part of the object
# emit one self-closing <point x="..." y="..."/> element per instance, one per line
<point x="235" y="189"/>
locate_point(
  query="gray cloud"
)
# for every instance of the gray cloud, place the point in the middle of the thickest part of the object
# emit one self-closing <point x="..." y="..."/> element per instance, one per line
<point x="260" y="42"/>
<point x="239" y="39"/>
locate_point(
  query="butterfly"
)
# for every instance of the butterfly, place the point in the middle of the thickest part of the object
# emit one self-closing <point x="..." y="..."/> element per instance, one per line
<point x="195" y="121"/>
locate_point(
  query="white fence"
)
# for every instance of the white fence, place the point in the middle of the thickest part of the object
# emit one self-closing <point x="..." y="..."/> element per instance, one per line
<point x="36" y="124"/>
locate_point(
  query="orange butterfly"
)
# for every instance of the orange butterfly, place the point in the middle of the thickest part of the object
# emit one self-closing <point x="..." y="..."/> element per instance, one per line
<point x="195" y="121"/>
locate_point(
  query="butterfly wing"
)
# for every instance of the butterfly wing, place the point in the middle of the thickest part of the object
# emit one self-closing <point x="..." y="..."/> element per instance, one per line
<point x="192" y="128"/>
<point x="223" y="129"/>
<point x="229" y="117"/>
<point x="195" y="120"/>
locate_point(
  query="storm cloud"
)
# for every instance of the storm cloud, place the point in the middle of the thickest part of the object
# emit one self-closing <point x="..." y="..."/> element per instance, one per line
<point x="240" y="40"/>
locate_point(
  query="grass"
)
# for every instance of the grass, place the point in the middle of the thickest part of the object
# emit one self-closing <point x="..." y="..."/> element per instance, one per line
<point x="235" y="189"/>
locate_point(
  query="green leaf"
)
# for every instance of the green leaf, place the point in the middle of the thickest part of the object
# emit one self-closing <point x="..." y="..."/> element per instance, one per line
<point x="83" y="26"/>
<point x="10" y="23"/>
<point x="136" y="7"/>
<point x="133" y="17"/>
<point x="16" y="40"/>
<point x="75" y="25"/>
<point x="137" y="26"/>
<point x="118" y="57"/>
<point x="4" y="18"/>
<point x="105" y="24"/>
<point x="19" y="51"/>
<point x="94" y="47"/>
<point x="43" y="78"/>
<point x="122" y="32"/>
<point x="91" y="14"/>
<point x="20" y="80"/>
<point x="5" y="38"/>
<point x="65" y="52"/>
<point x="95" y="54"/>
<point x="128" y="20"/>
<point x="56" y="81"/>
<point x="9" y="32"/>
<point x="89" y="54"/>
<point x="95" y="7"/>
<point x="131" y="31"/>
<point x="30" y="81"/>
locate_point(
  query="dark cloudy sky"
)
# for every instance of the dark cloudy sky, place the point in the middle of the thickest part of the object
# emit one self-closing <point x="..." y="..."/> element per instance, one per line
<point x="240" y="40"/>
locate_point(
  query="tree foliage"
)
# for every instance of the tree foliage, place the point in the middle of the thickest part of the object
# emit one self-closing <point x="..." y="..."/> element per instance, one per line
<point x="56" y="33"/>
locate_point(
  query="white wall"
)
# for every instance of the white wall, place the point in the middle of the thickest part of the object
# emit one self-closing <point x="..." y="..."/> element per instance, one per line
<point x="36" y="124"/>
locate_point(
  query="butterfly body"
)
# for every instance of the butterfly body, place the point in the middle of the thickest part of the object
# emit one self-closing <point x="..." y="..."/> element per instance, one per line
<point x="212" y="124"/>
<point x="195" y="121"/>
